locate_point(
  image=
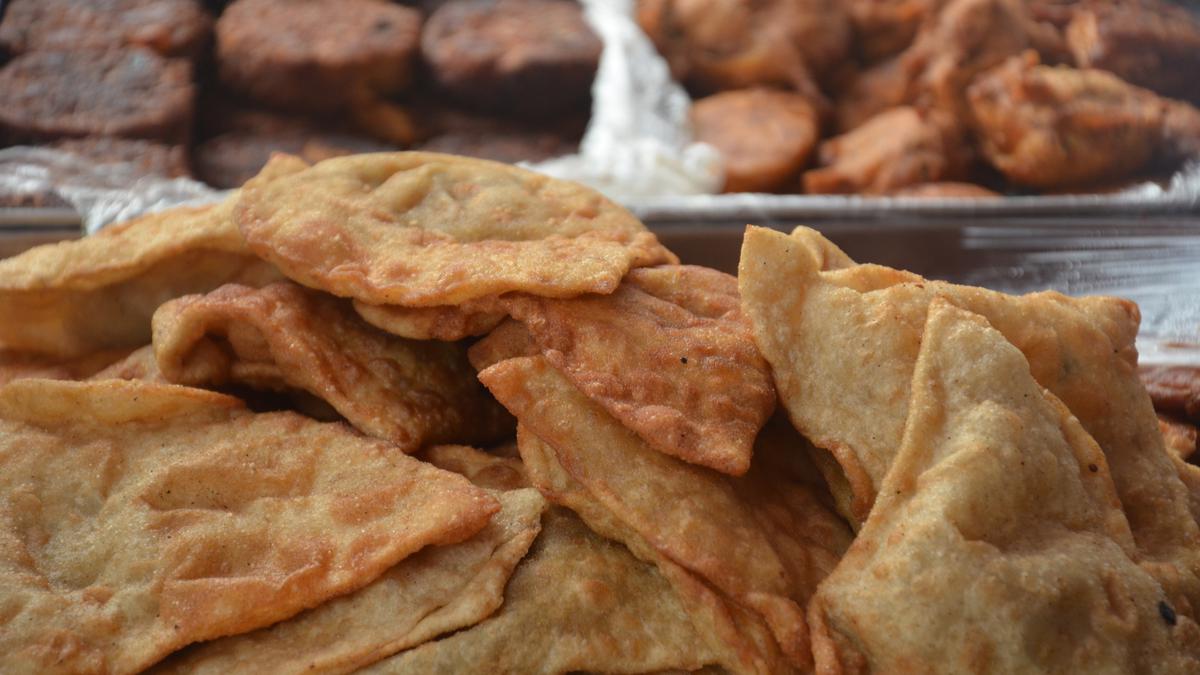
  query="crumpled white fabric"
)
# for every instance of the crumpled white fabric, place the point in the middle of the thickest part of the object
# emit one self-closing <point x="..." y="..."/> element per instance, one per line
<point x="639" y="141"/>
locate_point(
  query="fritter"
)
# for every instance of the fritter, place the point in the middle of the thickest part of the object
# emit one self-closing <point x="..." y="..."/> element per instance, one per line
<point x="534" y="57"/>
<point x="170" y="27"/>
<point x="132" y="93"/>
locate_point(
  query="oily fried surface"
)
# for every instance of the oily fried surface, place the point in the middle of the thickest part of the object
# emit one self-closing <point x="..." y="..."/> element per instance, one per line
<point x="714" y="45"/>
<point x="140" y="364"/>
<point x="285" y="336"/>
<point x="450" y="322"/>
<point x="668" y="355"/>
<point x="577" y="602"/>
<point x="764" y="136"/>
<point x="493" y="470"/>
<point x="1059" y="127"/>
<point x="422" y="230"/>
<point x="140" y="517"/>
<point x="99" y="292"/>
<point x="696" y="518"/>
<point x="1179" y="437"/>
<point x="20" y="365"/>
<point x="169" y="27"/>
<point x="843" y="344"/>
<point x="998" y="542"/>
<point x="893" y="150"/>
<point x="884" y="27"/>
<point x="1148" y="43"/>
<point x="316" y="55"/>
<point x="437" y="590"/>
<point x="1174" y="389"/>
<point x="966" y="38"/>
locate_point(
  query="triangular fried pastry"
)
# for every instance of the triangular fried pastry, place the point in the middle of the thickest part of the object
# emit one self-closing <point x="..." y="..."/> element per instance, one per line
<point x="997" y="543"/>
<point x="669" y="355"/>
<point x="577" y="603"/>
<point x="286" y="336"/>
<point x="695" y="517"/>
<point x="438" y="590"/>
<point x="136" y="518"/>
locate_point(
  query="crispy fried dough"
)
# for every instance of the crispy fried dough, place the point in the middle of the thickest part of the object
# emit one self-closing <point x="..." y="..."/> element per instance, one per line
<point x="138" y="365"/>
<point x="697" y="518"/>
<point x="492" y="471"/>
<point x="435" y="591"/>
<point x="453" y="322"/>
<point x="21" y="365"/>
<point x="843" y="345"/>
<point x="285" y="336"/>
<point x="510" y="340"/>
<point x="138" y="517"/>
<point x="577" y="603"/>
<point x="669" y="355"/>
<point x="998" y="542"/>
<point x="99" y="292"/>
<point x="1179" y="437"/>
<point x="423" y="230"/>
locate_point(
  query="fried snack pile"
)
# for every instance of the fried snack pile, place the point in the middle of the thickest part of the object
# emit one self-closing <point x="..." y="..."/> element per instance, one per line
<point x="416" y="413"/>
<point x="918" y="92"/>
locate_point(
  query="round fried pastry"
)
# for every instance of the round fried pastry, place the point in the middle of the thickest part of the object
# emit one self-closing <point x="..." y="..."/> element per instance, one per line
<point x="422" y="229"/>
<point x="525" y="56"/>
<point x="316" y="55"/>
<point x="765" y="137"/>
<point x="131" y="93"/>
<point x="170" y="27"/>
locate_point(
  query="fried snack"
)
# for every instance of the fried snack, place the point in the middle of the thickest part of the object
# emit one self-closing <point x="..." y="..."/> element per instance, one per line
<point x="492" y="471"/>
<point x="735" y="638"/>
<point x="948" y="190"/>
<point x="883" y="28"/>
<point x="1173" y="389"/>
<point x="1179" y="437"/>
<point x="751" y="544"/>
<point x="529" y="57"/>
<point x="765" y="137"/>
<point x="21" y="365"/>
<point x="452" y="322"/>
<point x="99" y="292"/>
<point x="317" y="55"/>
<point x="510" y="340"/>
<point x="132" y="93"/>
<point x="714" y="45"/>
<point x="1059" y="127"/>
<point x="843" y="344"/>
<point x="503" y="145"/>
<point x="138" y="518"/>
<point x="965" y="39"/>
<point x="576" y="603"/>
<point x="170" y="27"/>
<point x="438" y="590"/>
<point x="423" y="230"/>
<point x="1151" y="44"/>
<point x="138" y="365"/>
<point x="145" y="157"/>
<point x="668" y="355"/>
<point x="998" y="542"/>
<point x="284" y="336"/>
<point x="893" y="150"/>
<point x="230" y="159"/>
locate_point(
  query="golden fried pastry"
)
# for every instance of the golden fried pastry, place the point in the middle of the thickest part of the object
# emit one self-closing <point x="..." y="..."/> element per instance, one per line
<point x="765" y="137"/>
<point x="449" y="322"/>
<point x="577" y="603"/>
<point x="998" y="543"/>
<point x="137" y="518"/>
<point x="668" y="355"/>
<point x="495" y="469"/>
<point x="428" y="230"/>
<point x="764" y="541"/>
<point x="438" y="590"/>
<point x="893" y="150"/>
<point x="284" y="336"/>
<point x="842" y="346"/>
<point x="1057" y="127"/>
<point x="20" y="365"/>
<point x="1148" y="43"/>
<point x="965" y="39"/>
<point x="1180" y="437"/>
<point x="713" y="45"/>
<point x="99" y="292"/>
